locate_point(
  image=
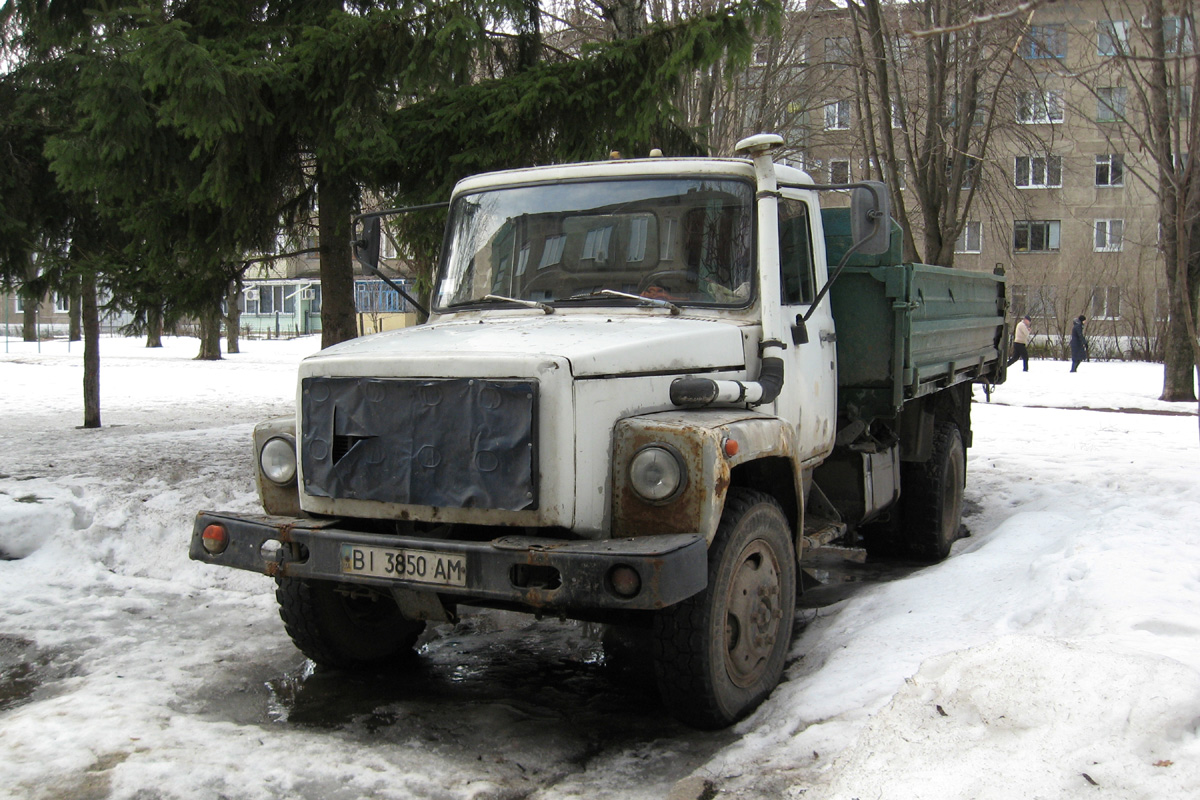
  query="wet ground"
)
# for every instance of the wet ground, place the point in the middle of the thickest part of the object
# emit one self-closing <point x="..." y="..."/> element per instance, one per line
<point x="538" y="702"/>
<point x="26" y="672"/>
<point x="562" y="702"/>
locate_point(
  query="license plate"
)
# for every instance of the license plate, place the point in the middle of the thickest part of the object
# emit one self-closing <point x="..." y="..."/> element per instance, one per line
<point x="418" y="566"/>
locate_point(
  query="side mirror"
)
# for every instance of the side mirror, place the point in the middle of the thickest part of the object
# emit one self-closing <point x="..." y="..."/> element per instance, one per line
<point x="366" y="249"/>
<point x="871" y="218"/>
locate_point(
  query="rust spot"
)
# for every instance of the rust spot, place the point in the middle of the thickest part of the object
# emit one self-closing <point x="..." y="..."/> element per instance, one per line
<point x="272" y="569"/>
<point x="536" y="598"/>
<point x="285" y="533"/>
<point x="681" y="515"/>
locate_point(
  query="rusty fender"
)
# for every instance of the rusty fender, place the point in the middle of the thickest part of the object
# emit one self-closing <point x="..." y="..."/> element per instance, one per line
<point x="699" y="437"/>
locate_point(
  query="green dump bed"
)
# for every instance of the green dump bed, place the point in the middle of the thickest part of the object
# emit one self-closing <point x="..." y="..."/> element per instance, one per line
<point x="906" y="330"/>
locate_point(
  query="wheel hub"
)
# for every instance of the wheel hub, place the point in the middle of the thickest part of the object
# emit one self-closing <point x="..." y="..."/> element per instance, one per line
<point x="753" y="613"/>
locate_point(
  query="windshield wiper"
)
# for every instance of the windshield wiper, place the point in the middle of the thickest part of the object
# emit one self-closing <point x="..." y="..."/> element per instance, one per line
<point x="549" y="309"/>
<point x="644" y="301"/>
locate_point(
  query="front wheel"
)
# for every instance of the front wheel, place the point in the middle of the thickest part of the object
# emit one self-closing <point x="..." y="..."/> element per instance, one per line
<point x="345" y="627"/>
<point x="718" y="654"/>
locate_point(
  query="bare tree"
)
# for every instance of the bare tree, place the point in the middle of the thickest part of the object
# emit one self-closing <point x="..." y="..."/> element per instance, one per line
<point x="937" y="93"/>
<point x="1149" y="57"/>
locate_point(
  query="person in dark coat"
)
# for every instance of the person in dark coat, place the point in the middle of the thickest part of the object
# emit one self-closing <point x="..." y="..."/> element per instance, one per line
<point x="1078" y="343"/>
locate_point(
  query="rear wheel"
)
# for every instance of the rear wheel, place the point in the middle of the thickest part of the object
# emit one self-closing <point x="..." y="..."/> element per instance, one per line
<point x="345" y="627"/>
<point x="932" y="496"/>
<point x="718" y="654"/>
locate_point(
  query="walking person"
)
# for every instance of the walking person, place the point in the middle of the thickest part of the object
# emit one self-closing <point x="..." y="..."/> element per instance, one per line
<point x="1078" y="343"/>
<point x="1021" y="343"/>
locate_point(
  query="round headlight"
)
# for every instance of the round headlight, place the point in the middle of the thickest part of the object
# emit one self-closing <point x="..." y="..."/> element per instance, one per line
<point x="278" y="460"/>
<point x="656" y="473"/>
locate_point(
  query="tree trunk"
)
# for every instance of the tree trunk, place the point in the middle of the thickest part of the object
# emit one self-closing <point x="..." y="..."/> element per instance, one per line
<point x="210" y="334"/>
<point x="154" y="326"/>
<point x="627" y="17"/>
<point x="1178" y="361"/>
<point x="1179" y="366"/>
<point x="74" y="324"/>
<point x="233" y="317"/>
<point x="90" y="315"/>
<point x="30" y="306"/>
<point x="29" y="319"/>
<point x="335" y="198"/>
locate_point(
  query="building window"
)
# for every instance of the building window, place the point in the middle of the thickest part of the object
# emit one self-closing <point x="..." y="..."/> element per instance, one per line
<point x="837" y="115"/>
<point x="274" y="299"/>
<point x="552" y="251"/>
<point x="1112" y="37"/>
<point x="978" y="116"/>
<point x="1181" y="102"/>
<point x="1036" y="236"/>
<point x="1109" y="235"/>
<point x="837" y="52"/>
<point x="1178" y="35"/>
<point x="595" y="244"/>
<point x="970" y="173"/>
<point x="1045" y="41"/>
<point x="387" y="247"/>
<point x="839" y="170"/>
<point x="666" y="239"/>
<point x="1038" y="171"/>
<point x="971" y="238"/>
<point x="522" y="260"/>
<point x="1106" y="302"/>
<point x="639" y="229"/>
<point x="1162" y="304"/>
<point x="310" y="245"/>
<point x="1110" y="169"/>
<point x="1039" y="106"/>
<point x="62" y="303"/>
<point x="1110" y="103"/>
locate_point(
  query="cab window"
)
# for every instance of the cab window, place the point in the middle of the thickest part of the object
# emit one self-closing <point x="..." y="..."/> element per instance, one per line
<point x="795" y="252"/>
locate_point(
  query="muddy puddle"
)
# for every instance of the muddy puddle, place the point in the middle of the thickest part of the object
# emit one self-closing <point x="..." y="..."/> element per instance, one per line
<point x="27" y="672"/>
<point x="536" y="700"/>
<point x="543" y="698"/>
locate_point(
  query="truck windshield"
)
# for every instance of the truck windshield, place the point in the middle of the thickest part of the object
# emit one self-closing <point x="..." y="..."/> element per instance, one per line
<point x="688" y="241"/>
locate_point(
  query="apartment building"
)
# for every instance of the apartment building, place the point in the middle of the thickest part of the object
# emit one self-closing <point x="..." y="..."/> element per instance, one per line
<point x="1065" y="190"/>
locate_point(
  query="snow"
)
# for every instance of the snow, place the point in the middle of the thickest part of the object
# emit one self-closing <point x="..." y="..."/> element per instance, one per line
<point x="1056" y="654"/>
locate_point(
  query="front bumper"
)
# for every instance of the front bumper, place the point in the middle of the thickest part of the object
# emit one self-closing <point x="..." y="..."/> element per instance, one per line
<point x="551" y="574"/>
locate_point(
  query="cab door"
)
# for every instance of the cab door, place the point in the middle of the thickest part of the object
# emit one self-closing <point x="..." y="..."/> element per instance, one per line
<point x="809" y="395"/>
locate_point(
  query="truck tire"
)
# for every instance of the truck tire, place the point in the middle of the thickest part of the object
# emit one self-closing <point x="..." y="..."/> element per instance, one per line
<point x="719" y="653"/>
<point x="931" y="497"/>
<point x="342" y="630"/>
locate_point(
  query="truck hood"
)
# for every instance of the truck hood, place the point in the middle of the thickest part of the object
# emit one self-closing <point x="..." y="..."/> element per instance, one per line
<point x="592" y="344"/>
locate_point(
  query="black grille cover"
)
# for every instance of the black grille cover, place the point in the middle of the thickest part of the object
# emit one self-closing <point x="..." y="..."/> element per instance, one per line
<point x="459" y="443"/>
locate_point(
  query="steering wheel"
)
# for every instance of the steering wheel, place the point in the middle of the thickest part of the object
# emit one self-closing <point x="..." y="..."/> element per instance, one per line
<point x="648" y="281"/>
